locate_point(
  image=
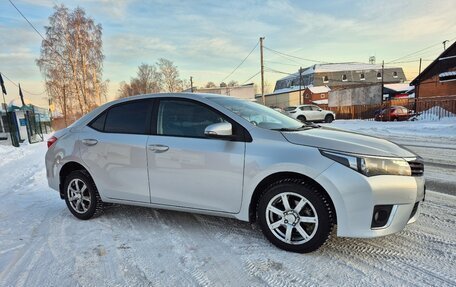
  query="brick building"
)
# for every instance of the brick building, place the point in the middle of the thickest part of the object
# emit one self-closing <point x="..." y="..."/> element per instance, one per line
<point x="439" y="78"/>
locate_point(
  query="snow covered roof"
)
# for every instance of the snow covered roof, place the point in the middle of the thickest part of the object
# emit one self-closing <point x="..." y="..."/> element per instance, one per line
<point x="447" y="76"/>
<point x="399" y="87"/>
<point x="338" y="67"/>
<point x="287" y="90"/>
<point x="319" y="89"/>
<point x="321" y="102"/>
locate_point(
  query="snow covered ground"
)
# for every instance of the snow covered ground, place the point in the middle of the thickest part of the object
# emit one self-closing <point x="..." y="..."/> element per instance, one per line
<point x="42" y="244"/>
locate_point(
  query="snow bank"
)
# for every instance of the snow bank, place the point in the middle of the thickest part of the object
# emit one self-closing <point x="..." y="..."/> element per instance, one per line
<point x="444" y="128"/>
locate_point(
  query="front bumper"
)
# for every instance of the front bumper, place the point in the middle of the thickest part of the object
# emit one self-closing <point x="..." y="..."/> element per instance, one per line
<point x="355" y="195"/>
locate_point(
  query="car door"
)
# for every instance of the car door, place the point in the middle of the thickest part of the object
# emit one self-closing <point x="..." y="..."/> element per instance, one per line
<point x="317" y="113"/>
<point x="186" y="168"/>
<point x="113" y="146"/>
<point x="307" y="112"/>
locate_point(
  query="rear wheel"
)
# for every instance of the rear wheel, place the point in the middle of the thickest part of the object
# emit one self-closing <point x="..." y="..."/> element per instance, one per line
<point x="295" y="216"/>
<point x="329" y="118"/>
<point x="81" y="195"/>
<point x="302" y="118"/>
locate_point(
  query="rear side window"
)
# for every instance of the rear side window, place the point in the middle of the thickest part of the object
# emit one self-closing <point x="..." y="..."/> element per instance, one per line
<point x="98" y="123"/>
<point x="128" y="118"/>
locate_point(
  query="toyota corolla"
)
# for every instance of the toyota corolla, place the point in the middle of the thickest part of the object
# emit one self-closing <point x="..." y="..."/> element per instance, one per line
<point x="223" y="156"/>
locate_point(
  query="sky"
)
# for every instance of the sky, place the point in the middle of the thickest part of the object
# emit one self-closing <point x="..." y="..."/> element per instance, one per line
<point x="208" y="39"/>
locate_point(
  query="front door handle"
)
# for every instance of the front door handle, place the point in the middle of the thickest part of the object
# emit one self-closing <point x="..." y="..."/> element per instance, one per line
<point x="157" y="148"/>
<point x="89" y="142"/>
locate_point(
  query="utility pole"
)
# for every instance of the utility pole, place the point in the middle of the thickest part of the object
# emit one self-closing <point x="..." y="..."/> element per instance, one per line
<point x="417" y="88"/>
<point x="444" y="45"/>
<point x="262" y="70"/>
<point x="383" y="68"/>
<point x="300" y="84"/>
<point x="191" y="84"/>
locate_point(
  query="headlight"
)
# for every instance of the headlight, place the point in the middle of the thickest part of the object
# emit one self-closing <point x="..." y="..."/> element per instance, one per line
<point x="370" y="165"/>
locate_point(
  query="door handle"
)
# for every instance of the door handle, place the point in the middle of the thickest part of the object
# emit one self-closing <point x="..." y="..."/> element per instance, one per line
<point x="157" y="148"/>
<point x="89" y="142"/>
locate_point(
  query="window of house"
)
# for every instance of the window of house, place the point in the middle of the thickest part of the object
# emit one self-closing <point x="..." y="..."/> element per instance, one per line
<point x="185" y="118"/>
<point x="325" y="79"/>
<point x="322" y="96"/>
<point x="344" y="78"/>
<point x="394" y="74"/>
<point x="362" y="77"/>
<point x="128" y="118"/>
<point x="379" y="75"/>
<point x="306" y="96"/>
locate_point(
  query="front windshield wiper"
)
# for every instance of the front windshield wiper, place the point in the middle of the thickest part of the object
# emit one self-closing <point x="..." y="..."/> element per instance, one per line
<point x="302" y="128"/>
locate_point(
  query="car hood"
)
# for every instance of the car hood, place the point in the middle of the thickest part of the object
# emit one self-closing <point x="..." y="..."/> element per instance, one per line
<point x="349" y="142"/>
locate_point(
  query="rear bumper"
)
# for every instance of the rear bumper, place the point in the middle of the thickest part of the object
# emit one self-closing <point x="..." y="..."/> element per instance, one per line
<point x="355" y="196"/>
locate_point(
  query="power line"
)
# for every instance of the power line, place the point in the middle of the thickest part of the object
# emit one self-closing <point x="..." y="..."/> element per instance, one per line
<point x="27" y="20"/>
<point x="280" y="63"/>
<point x="414" y="53"/>
<point x="288" y="55"/>
<point x="279" y="72"/>
<point x="24" y="90"/>
<point x="242" y="62"/>
<point x="256" y="74"/>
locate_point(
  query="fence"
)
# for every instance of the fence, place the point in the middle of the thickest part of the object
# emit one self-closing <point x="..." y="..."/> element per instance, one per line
<point x="432" y="108"/>
<point x="30" y="123"/>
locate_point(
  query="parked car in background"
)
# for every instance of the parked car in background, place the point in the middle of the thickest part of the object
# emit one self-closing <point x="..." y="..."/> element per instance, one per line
<point x="223" y="156"/>
<point x="310" y="113"/>
<point x="394" y="113"/>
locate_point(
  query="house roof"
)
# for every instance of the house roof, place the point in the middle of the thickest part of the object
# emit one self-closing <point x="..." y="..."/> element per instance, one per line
<point x="339" y="67"/>
<point x="444" y="54"/>
<point x="319" y="89"/>
<point x="399" y="87"/>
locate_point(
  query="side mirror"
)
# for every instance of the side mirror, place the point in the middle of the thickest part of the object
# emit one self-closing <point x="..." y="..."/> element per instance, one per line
<point x="219" y="130"/>
<point x="319" y="109"/>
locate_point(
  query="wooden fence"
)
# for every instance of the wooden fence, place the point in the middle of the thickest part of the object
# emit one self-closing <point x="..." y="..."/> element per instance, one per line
<point x="431" y="108"/>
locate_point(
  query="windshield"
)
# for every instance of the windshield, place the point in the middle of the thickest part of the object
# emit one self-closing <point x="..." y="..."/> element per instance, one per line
<point x="258" y="115"/>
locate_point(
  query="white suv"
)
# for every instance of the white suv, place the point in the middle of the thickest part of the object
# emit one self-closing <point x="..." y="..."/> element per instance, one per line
<point x="310" y="113"/>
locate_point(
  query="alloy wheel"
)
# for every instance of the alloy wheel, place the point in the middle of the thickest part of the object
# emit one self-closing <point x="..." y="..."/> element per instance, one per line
<point x="291" y="218"/>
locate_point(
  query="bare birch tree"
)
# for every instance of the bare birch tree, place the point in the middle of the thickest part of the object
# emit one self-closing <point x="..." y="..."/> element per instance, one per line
<point x="163" y="77"/>
<point x="71" y="61"/>
<point x="170" y="75"/>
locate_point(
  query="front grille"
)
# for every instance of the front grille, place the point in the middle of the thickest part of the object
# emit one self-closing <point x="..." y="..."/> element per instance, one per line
<point x="417" y="167"/>
<point x="415" y="208"/>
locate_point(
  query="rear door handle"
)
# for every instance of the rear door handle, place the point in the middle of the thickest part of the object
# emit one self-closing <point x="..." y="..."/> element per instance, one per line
<point x="157" y="148"/>
<point x="89" y="142"/>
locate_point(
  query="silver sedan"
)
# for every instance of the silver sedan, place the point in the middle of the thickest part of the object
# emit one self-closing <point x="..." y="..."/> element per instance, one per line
<point x="223" y="156"/>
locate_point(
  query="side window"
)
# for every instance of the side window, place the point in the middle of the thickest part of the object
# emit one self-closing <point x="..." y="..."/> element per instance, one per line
<point x="128" y="118"/>
<point x="98" y="123"/>
<point x="185" y="118"/>
<point x="306" y="108"/>
<point x="315" y="108"/>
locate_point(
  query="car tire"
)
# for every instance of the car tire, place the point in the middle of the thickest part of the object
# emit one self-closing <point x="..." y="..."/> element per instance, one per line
<point x="81" y="195"/>
<point x="296" y="226"/>
<point x="329" y="119"/>
<point x="302" y="118"/>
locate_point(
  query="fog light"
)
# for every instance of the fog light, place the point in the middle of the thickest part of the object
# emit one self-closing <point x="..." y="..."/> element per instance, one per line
<point x="381" y="215"/>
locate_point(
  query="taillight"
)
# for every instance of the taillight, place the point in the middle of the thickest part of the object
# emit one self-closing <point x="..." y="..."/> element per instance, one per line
<point x="51" y="141"/>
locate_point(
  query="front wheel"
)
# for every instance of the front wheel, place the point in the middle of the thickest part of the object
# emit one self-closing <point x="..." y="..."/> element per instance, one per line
<point x="295" y="216"/>
<point x="81" y="195"/>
